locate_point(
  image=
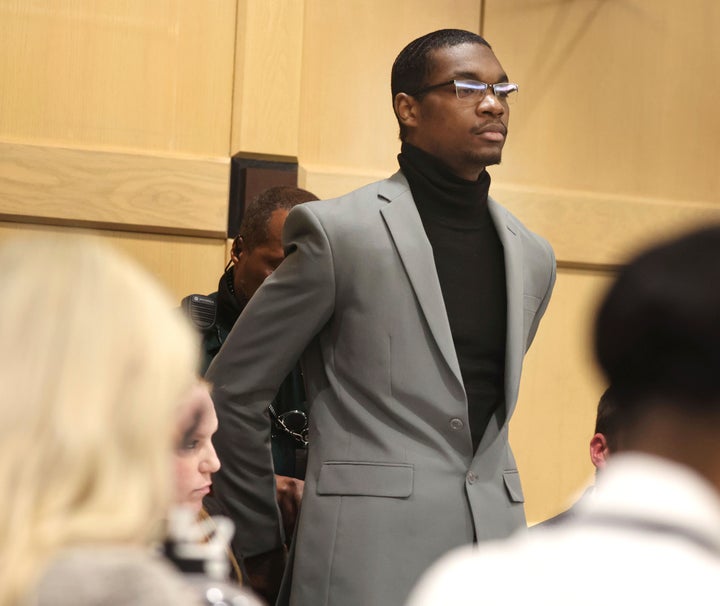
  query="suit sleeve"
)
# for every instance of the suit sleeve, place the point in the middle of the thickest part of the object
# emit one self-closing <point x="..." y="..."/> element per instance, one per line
<point x="281" y="319"/>
<point x="551" y="274"/>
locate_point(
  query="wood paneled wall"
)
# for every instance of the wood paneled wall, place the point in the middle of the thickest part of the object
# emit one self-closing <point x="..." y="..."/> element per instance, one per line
<point x="614" y="143"/>
<point x="122" y="115"/>
<point x="181" y="263"/>
<point x="116" y="115"/>
<point x="123" y="74"/>
<point x="349" y="48"/>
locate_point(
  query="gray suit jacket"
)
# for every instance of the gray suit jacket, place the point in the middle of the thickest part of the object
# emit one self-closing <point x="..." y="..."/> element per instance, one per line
<point x="392" y="481"/>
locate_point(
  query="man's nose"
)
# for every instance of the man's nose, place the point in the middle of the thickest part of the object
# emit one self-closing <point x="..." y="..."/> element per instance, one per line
<point x="490" y="104"/>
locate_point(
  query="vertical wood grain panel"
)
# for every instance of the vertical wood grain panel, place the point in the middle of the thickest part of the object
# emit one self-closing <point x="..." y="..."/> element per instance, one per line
<point x="614" y="143"/>
<point x="118" y="73"/>
<point x="560" y="387"/>
<point x="268" y="64"/>
<point x="349" y="48"/>
<point x="615" y="97"/>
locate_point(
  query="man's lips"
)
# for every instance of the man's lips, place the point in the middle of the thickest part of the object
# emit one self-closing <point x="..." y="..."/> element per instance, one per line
<point x="492" y="132"/>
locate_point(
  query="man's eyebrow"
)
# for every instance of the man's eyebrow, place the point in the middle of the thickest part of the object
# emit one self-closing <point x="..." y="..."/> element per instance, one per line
<point x="473" y="76"/>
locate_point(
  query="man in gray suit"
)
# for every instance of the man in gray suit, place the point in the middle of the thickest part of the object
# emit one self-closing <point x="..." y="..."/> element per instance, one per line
<point x="412" y="302"/>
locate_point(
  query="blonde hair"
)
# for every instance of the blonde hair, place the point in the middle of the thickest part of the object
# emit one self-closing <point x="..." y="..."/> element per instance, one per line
<point x="94" y="363"/>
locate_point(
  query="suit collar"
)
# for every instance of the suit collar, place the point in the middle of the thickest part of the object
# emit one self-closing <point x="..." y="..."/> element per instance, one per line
<point x="395" y="186"/>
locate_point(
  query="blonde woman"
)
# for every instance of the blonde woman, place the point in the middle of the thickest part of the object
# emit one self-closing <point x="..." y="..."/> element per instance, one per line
<point x="94" y="365"/>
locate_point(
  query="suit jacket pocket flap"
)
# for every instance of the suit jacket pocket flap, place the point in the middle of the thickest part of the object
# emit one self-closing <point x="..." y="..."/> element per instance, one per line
<point x="513" y="486"/>
<point x="360" y="478"/>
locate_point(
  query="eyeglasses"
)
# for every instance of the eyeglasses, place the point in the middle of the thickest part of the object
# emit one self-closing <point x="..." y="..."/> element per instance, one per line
<point x="293" y="422"/>
<point x="471" y="92"/>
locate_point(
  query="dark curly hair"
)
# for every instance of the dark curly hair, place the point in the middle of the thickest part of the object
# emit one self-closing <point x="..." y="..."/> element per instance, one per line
<point x="254" y="225"/>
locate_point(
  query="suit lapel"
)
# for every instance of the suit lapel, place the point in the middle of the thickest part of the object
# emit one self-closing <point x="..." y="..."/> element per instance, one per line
<point x="408" y="234"/>
<point x="514" y="349"/>
<point x="406" y="229"/>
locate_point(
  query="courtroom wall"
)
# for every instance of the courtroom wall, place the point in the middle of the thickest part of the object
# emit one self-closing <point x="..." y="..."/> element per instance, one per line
<point x="121" y="117"/>
<point x="615" y="142"/>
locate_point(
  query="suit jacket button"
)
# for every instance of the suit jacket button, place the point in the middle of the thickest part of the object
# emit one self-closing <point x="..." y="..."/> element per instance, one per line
<point x="456" y="424"/>
<point x="471" y="477"/>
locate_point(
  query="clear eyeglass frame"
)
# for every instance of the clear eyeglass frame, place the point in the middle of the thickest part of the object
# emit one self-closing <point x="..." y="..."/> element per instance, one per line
<point x="471" y="92"/>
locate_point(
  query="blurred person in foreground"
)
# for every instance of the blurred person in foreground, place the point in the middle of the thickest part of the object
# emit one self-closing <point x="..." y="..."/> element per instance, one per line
<point x="653" y="524"/>
<point x="91" y="400"/>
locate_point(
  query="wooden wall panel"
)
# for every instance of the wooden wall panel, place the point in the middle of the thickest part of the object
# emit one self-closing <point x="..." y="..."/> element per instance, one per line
<point x="612" y="201"/>
<point x="118" y="73"/>
<point x="559" y="392"/>
<point x="600" y="229"/>
<point x="614" y="144"/>
<point x="592" y="229"/>
<point x="123" y="114"/>
<point x="183" y="265"/>
<point x="346" y="116"/>
<point x="127" y="191"/>
<point x="117" y="113"/>
<point x="616" y="97"/>
<point x="332" y="181"/>
<point x="266" y="104"/>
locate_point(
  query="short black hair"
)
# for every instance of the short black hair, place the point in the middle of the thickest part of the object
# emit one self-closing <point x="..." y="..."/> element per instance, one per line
<point x="413" y="65"/>
<point x="608" y="420"/>
<point x="657" y="332"/>
<point x="254" y="225"/>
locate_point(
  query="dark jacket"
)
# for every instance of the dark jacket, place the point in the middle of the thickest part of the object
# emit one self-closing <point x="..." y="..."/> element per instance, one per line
<point x="214" y="316"/>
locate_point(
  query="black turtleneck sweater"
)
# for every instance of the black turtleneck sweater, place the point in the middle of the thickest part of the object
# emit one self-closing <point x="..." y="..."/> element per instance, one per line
<point x="470" y="265"/>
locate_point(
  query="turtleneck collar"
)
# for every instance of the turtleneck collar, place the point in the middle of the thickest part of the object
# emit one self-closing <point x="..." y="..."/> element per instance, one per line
<point x="439" y="194"/>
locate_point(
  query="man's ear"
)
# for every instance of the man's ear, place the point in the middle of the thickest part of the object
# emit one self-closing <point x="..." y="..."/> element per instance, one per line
<point x="406" y="109"/>
<point x="236" y="249"/>
<point x="599" y="451"/>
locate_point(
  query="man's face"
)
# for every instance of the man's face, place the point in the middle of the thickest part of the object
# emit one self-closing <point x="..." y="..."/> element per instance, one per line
<point x="252" y="267"/>
<point x="467" y="138"/>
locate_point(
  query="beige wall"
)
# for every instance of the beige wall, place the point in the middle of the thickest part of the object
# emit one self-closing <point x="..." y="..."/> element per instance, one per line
<point x="121" y="116"/>
<point x="348" y="125"/>
<point x="116" y="115"/>
<point x="614" y="143"/>
<point x="176" y="261"/>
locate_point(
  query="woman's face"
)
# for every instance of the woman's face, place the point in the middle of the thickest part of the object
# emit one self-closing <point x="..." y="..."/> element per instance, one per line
<point x="195" y="458"/>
